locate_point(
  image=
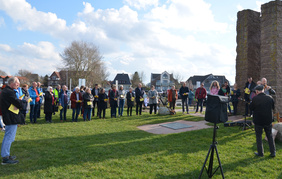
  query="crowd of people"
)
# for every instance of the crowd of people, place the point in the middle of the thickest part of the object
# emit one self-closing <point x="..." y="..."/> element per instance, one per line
<point x="16" y="101"/>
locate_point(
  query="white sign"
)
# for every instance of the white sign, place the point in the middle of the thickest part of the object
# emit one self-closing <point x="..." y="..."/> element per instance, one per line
<point x="198" y="84"/>
<point x="81" y="82"/>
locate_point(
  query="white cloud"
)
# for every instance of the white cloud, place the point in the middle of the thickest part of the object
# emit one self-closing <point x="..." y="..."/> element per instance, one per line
<point x="41" y="58"/>
<point x="239" y="7"/>
<point x="5" y="47"/>
<point x="188" y="15"/>
<point x="141" y="4"/>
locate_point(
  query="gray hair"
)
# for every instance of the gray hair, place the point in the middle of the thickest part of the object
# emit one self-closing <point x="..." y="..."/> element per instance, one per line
<point x="11" y="80"/>
<point x="76" y="88"/>
<point x="49" y="87"/>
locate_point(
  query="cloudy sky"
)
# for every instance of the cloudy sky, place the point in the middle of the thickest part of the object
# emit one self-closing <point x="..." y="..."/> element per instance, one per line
<point x="183" y="37"/>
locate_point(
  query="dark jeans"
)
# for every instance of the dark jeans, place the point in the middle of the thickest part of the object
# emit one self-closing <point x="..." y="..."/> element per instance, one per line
<point x="268" y="132"/>
<point x="228" y="105"/>
<point x="129" y="110"/>
<point x="100" y="113"/>
<point x="139" y="107"/>
<point x="64" y="110"/>
<point x="151" y="108"/>
<point x="185" y="102"/>
<point x="33" y="112"/>
<point x="235" y="104"/>
<point x="87" y="114"/>
<point x="95" y="104"/>
<point x="48" y="117"/>
<point x="172" y="104"/>
<point x="120" y="107"/>
<point x="113" y="111"/>
<point x="200" y="103"/>
<point x="75" y="111"/>
<point x="38" y="110"/>
<point x="190" y="101"/>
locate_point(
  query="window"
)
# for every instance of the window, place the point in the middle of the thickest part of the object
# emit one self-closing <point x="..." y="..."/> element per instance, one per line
<point x="165" y="76"/>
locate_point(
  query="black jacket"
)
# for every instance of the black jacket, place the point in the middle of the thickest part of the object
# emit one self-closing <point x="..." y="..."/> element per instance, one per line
<point x="139" y="94"/>
<point x="48" y="107"/>
<point x="87" y="100"/>
<point x="8" y="96"/>
<point x="102" y="104"/>
<point x="129" y="96"/>
<point x="95" y="94"/>
<point x="262" y="106"/>
<point x="183" y="90"/>
<point x="252" y="86"/>
<point x="113" y="95"/>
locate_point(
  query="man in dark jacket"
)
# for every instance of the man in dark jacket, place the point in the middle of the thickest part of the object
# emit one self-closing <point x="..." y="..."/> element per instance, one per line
<point x="95" y="93"/>
<point x="139" y="93"/>
<point x="184" y="91"/>
<point x="262" y="106"/>
<point x="249" y="87"/>
<point x="10" y="106"/>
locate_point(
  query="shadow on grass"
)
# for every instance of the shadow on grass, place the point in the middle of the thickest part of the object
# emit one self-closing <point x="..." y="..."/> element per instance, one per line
<point x="75" y="150"/>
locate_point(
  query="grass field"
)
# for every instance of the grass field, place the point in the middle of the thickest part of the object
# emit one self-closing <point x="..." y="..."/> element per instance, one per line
<point x="115" y="148"/>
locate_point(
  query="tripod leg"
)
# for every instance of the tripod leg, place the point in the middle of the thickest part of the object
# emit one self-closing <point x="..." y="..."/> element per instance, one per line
<point x="205" y="162"/>
<point x="221" y="170"/>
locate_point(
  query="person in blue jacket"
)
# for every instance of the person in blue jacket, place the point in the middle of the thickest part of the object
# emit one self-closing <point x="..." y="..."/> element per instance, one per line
<point x="34" y="104"/>
<point x="41" y="98"/>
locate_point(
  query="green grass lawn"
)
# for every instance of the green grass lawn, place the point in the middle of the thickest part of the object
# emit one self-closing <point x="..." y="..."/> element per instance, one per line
<point x="115" y="148"/>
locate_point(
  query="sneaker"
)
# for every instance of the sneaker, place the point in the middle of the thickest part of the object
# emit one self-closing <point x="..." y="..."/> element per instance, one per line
<point x="8" y="161"/>
<point x="12" y="157"/>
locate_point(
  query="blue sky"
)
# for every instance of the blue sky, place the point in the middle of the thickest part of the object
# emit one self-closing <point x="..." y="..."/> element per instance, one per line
<point x="179" y="36"/>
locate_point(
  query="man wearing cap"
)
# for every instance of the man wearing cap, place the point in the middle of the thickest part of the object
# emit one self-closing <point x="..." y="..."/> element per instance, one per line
<point x="262" y="106"/>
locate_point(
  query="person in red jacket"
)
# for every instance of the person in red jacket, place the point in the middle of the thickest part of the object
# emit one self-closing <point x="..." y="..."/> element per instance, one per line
<point x="76" y="101"/>
<point x="200" y="95"/>
<point x="172" y="97"/>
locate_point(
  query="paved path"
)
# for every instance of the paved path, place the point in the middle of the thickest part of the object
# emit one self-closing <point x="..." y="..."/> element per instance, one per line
<point x="158" y="129"/>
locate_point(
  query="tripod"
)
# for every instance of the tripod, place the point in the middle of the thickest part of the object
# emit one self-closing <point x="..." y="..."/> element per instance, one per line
<point x="213" y="147"/>
<point x="245" y="124"/>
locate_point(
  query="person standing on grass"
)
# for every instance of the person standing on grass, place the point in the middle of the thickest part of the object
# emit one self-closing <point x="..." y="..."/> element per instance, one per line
<point x="113" y="101"/>
<point x="235" y="94"/>
<point x="63" y="102"/>
<point x="25" y="103"/>
<point x="191" y="97"/>
<point x="130" y="101"/>
<point x="49" y="104"/>
<point x="139" y="97"/>
<point x="76" y="100"/>
<point x="153" y="99"/>
<point x="95" y="93"/>
<point x="184" y="91"/>
<point x="34" y="104"/>
<point x="262" y="106"/>
<point x="87" y="103"/>
<point x="10" y="106"/>
<point x="121" y="98"/>
<point x="172" y="97"/>
<point x="40" y="91"/>
<point x="201" y="94"/>
<point x="102" y="103"/>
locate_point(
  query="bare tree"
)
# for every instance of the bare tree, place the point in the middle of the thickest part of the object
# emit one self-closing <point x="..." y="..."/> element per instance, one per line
<point x="83" y="60"/>
<point x="178" y="79"/>
<point x="2" y="73"/>
<point x="23" y="73"/>
<point x="142" y="76"/>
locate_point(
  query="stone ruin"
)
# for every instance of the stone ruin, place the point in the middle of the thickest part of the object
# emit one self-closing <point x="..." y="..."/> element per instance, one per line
<point x="259" y="49"/>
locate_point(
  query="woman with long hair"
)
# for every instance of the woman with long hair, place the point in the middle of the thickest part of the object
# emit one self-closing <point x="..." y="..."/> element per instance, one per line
<point x="214" y="88"/>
